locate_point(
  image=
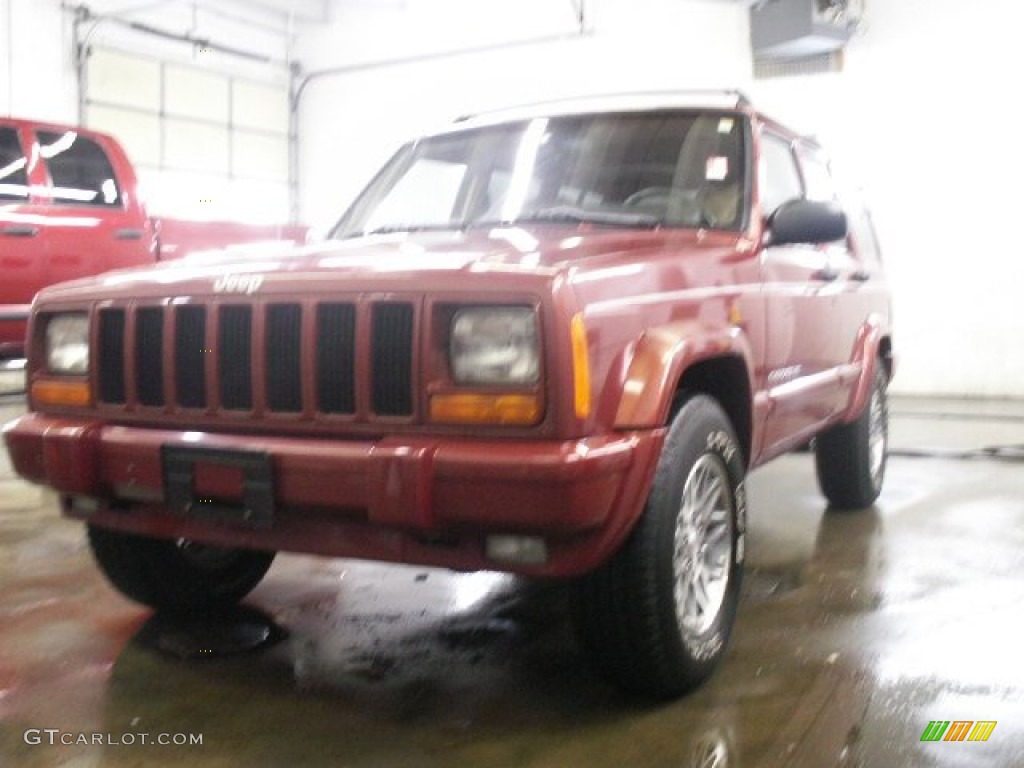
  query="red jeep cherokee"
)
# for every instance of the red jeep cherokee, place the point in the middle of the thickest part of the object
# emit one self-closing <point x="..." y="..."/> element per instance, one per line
<point x="551" y="341"/>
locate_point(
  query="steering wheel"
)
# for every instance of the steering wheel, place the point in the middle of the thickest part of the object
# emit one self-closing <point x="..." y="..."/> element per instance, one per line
<point x="675" y="206"/>
<point x="649" y="196"/>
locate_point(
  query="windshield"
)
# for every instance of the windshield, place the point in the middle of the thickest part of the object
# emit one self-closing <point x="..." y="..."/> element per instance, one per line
<point x="647" y="170"/>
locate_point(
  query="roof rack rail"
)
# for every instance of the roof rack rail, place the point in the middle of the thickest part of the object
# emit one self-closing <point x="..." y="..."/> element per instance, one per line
<point x="741" y="99"/>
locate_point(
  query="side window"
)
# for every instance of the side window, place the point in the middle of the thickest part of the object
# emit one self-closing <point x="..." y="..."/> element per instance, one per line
<point x="80" y="170"/>
<point x="818" y="178"/>
<point x="13" y="173"/>
<point x="779" y="177"/>
<point x="862" y="230"/>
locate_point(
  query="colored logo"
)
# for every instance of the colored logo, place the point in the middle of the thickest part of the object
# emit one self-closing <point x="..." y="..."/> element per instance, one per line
<point x="958" y="730"/>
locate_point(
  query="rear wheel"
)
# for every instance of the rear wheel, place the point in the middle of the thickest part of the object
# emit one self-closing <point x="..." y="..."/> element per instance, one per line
<point x="180" y="575"/>
<point x="851" y="458"/>
<point x="655" y="619"/>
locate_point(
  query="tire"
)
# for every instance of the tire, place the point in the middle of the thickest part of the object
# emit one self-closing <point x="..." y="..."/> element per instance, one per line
<point x="639" y="617"/>
<point x="178" y="576"/>
<point x="850" y="458"/>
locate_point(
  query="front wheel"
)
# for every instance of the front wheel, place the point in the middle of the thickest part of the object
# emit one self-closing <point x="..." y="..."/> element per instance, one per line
<point x="655" y="619"/>
<point x="851" y="458"/>
<point x="180" y="576"/>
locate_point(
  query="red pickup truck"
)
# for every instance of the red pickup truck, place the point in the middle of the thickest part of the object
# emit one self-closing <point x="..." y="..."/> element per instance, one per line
<point x="69" y="207"/>
<point x="551" y="341"/>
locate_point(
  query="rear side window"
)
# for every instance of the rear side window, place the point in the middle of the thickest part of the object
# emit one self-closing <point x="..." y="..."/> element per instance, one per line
<point x="818" y="177"/>
<point x="13" y="173"/>
<point x="80" y="171"/>
<point x="862" y="229"/>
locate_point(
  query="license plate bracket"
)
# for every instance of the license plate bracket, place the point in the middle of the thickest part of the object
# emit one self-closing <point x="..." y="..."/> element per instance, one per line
<point x="254" y="509"/>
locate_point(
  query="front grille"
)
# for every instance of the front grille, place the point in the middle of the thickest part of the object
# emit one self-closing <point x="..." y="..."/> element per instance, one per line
<point x="269" y="358"/>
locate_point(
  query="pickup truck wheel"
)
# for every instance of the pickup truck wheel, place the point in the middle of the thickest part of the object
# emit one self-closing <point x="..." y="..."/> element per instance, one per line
<point x="851" y="458"/>
<point x="655" y="619"/>
<point x="179" y="576"/>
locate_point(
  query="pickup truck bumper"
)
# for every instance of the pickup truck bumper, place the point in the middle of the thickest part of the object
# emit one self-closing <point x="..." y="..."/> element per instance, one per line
<point x="426" y="500"/>
<point x="13" y="325"/>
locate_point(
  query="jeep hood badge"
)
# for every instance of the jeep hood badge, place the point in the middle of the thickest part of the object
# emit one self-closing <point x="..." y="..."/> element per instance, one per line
<point x="240" y="283"/>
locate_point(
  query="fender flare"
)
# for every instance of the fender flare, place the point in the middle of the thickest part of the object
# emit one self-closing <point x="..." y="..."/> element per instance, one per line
<point x="657" y="361"/>
<point x="869" y="351"/>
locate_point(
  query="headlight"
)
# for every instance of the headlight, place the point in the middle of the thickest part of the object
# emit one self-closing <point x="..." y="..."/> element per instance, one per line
<point x="67" y="344"/>
<point x="495" y="345"/>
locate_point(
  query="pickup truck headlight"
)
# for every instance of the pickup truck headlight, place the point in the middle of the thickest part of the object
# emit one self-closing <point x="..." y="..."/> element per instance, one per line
<point x="67" y="344"/>
<point x="495" y="345"/>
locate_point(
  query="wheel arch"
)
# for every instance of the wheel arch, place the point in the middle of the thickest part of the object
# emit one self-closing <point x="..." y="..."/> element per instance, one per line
<point x="873" y="348"/>
<point x="671" y="362"/>
<point x="727" y="381"/>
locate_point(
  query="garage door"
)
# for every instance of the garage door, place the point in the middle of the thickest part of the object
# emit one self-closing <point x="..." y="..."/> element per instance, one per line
<point x="206" y="144"/>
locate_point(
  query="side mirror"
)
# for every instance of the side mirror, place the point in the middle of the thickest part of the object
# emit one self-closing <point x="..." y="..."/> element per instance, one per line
<point x="807" y="221"/>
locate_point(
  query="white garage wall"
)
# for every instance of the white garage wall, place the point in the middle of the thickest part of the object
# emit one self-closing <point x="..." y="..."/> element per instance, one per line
<point x="920" y="117"/>
<point x="351" y="122"/>
<point x="36" y="69"/>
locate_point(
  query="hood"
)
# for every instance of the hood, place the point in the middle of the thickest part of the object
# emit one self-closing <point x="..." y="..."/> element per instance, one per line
<point x="417" y="261"/>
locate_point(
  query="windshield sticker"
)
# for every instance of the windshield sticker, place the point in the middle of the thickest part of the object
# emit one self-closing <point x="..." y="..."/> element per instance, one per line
<point x="725" y="125"/>
<point x="717" y="168"/>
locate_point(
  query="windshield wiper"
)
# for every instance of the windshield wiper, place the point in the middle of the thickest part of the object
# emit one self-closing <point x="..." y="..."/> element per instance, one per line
<point x="567" y="213"/>
<point x="556" y="214"/>
<point x="389" y="229"/>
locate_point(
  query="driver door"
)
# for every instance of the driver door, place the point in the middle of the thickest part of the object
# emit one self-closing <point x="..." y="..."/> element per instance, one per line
<point x="802" y="285"/>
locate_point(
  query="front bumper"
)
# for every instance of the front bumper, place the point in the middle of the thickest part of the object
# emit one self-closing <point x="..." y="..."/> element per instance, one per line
<point x="424" y="500"/>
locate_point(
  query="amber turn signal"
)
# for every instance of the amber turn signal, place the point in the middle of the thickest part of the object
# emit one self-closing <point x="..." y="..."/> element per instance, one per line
<point x="580" y="367"/>
<point x="57" y="392"/>
<point x="503" y="410"/>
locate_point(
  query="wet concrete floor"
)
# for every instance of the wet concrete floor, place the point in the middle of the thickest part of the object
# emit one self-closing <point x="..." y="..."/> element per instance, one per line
<point x="854" y="633"/>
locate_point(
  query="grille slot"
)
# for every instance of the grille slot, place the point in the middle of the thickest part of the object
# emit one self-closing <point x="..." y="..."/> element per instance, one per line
<point x="234" y="358"/>
<point x="391" y="350"/>
<point x="111" y="356"/>
<point x="190" y="354"/>
<point x="284" y="357"/>
<point x="149" y="356"/>
<point x="336" y="358"/>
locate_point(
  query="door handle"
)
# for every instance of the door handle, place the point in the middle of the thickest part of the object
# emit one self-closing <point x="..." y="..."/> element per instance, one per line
<point x="861" y="276"/>
<point x="128" y="234"/>
<point x="24" y="230"/>
<point x="826" y="274"/>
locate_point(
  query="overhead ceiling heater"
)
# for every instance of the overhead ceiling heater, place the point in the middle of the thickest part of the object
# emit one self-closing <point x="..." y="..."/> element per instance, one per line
<point x="793" y="29"/>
